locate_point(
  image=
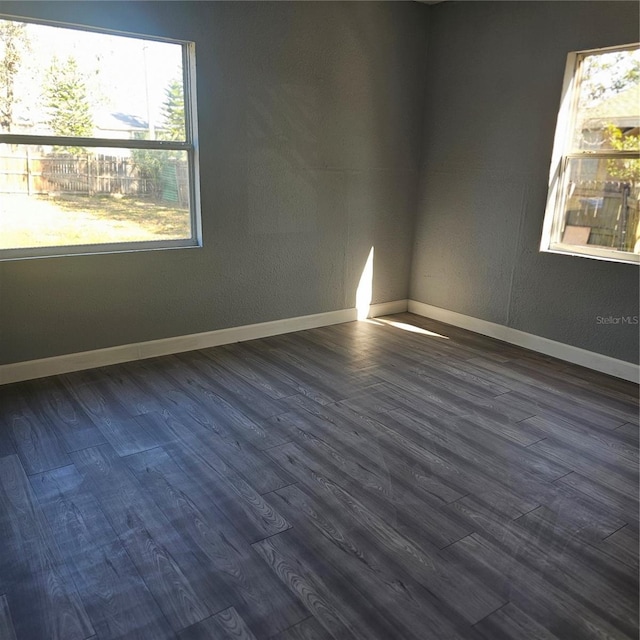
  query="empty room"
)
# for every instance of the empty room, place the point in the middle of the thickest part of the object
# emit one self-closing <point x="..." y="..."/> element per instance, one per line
<point x="319" y="320"/>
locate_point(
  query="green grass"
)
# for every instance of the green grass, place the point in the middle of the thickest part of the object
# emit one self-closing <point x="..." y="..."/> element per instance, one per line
<point x="153" y="216"/>
<point x="41" y="221"/>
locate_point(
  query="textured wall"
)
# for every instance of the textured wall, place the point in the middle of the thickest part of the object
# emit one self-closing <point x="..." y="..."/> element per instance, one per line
<point x="494" y="77"/>
<point x="310" y="121"/>
<point x="309" y="118"/>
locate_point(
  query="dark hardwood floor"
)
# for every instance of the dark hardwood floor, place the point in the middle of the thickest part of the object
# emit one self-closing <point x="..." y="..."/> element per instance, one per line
<point x="391" y="479"/>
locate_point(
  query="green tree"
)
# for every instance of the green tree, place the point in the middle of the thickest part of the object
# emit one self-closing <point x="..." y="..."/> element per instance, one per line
<point x="605" y="74"/>
<point x="14" y="42"/>
<point x="149" y="163"/>
<point x="627" y="169"/>
<point x="173" y="111"/>
<point x="67" y="101"/>
<point x="159" y="166"/>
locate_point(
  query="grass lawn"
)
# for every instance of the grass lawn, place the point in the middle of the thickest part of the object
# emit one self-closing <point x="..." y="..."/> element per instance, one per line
<point x="45" y="221"/>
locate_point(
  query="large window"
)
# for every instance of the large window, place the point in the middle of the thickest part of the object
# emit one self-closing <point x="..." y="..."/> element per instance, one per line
<point x="97" y="142"/>
<point x="594" y="186"/>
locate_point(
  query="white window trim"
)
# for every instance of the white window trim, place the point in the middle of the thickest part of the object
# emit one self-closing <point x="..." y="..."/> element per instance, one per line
<point x="557" y="174"/>
<point x="190" y="145"/>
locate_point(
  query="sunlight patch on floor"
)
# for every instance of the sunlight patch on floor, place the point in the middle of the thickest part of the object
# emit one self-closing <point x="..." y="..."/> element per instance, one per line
<point x="408" y="327"/>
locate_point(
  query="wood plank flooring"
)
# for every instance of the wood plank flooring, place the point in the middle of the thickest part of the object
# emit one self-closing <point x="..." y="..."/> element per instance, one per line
<point x="391" y="479"/>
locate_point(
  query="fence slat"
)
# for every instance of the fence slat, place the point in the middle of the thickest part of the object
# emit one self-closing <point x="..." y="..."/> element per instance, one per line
<point x="87" y="174"/>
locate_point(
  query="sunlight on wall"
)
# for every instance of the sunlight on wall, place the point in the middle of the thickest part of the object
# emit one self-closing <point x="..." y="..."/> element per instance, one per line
<point x="364" y="292"/>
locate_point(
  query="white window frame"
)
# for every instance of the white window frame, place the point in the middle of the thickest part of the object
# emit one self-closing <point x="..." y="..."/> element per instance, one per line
<point x="558" y="176"/>
<point x="190" y="145"/>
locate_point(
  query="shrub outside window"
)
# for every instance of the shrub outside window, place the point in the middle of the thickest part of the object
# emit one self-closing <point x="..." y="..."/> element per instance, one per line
<point x="97" y="142"/>
<point x="594" y="184"/>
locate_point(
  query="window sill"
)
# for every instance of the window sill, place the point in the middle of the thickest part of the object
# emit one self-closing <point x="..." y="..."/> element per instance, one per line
<point x="86" y="250"/>
<point x="593" y="252"/>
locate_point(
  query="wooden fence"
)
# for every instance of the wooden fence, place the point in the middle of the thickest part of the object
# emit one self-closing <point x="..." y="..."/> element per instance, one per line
<point x="610" y="209"/>
<point x="91" y="175"/>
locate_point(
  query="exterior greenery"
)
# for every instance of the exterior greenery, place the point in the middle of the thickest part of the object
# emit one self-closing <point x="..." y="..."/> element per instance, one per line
<point x="160" y="166"/>
<point x="67" y="101"/>
<point x="173" y="111"/>
<point x="627" y="169"/>
<point x="14" y="43"/>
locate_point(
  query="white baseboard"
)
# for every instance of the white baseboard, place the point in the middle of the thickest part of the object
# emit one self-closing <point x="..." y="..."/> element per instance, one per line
<point x="575" y="355"/>
<point x="31" y="369"/>
<point x="19" y="371"/>
<point x="387" y="308"/>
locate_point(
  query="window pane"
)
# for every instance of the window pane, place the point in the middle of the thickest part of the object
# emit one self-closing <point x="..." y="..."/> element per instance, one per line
<point x="608" y="108"/>
<point x="67" y="196"/>
<point x="601" y="204"/>
<point x="58" y="81"/>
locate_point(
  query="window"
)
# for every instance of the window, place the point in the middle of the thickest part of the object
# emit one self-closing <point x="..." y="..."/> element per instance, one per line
<point x="97" y="142"/>
<point x="594" y="184"/>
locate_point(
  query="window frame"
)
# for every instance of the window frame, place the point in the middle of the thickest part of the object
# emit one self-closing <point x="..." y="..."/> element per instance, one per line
<point x="554" y="217"/>
<point x="189" y="145"/>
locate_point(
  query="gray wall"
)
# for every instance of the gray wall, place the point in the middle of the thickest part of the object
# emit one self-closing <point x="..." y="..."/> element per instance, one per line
<point x="494" y="78"/>
<point x="317" y="143"/>
<point x="309" y="117"/>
